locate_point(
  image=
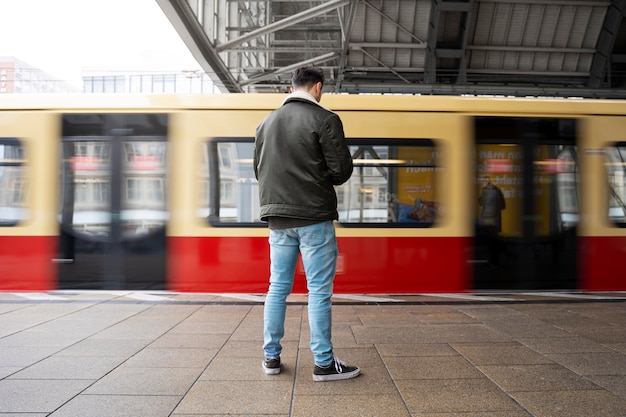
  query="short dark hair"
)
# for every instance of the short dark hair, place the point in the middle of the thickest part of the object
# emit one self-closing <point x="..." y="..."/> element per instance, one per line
<point x="307" y="76"/>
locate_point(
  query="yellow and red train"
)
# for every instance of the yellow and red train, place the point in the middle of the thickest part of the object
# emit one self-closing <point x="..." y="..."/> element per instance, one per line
<point x="158" y="192"/>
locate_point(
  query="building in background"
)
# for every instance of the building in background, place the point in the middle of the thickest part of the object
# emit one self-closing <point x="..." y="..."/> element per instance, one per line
<point x="17" y="76"/>
<point x="146" y="81"/>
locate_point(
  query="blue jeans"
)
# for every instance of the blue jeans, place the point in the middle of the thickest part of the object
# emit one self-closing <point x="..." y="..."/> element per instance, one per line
<point x="318" y="245"/>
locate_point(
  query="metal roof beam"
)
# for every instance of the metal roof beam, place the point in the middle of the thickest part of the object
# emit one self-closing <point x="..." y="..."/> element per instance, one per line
<point x="347" y="24"/>
<point x="385" y="66"/>
<point x="316" y="60"/>
<point x="283" y="23"/>
<point x="606" y="41"/>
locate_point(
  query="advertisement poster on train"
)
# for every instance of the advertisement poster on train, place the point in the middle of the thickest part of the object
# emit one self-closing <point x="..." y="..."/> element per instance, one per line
<point x="416" y="181"/>
<point x="503" y="165"/>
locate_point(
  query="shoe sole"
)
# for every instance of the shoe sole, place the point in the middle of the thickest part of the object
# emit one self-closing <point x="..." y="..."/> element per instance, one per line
<point x="337" y="377"/>
<point x="270" y="371"/>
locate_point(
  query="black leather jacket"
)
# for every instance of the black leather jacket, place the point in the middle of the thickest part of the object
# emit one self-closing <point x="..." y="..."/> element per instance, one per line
<point x="300" y="153"/>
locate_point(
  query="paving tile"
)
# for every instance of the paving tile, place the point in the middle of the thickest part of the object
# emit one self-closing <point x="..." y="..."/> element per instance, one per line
<point x="535" y="378"/>
<point x="134" y="330"/>
<point x="415" y="349"/>
<point x="104" y="347"/>
<point x="40" y="339"/>
<point x="491" y="312"/>
<point x="593" y="363"/>
<point x="205" y="327"/>
<point x="387" y="310"/>
<point x="572" y="403"/>
<point x="499" y="353"/>
<point x="172" y="357"/>
<point x="191" y="340"/>
<point x="218" y="415"/>
<point x="118" y="406"/>
<point x="37" y="396"/>
<point x="22" y="356"/>
<point x="564" y="345"/>
<point x="338" y="405"/>
<point x="70" y="367"/>
<point x="620" y="347"/>
<point x="454" y="396"/>
<point x="524" y="330"/>
<point x="455" y="317"/>
<point x="615" y="384"/>
<point x="462" y="333"/>
<point x="400" y="318"/>
<point x="429" y="367"/>
<point x="146" y="381"/>
<point x="387" y="334"/>
<point x="601" y="333"/>
<point x="432" y="309"/>
<point x="8" y="370"/>
<point x="509" y="413"/>
<point x="244" y="397"/>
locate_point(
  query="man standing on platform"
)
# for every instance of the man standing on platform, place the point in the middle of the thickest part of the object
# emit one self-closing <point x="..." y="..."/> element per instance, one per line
<point x="300" y="154"/>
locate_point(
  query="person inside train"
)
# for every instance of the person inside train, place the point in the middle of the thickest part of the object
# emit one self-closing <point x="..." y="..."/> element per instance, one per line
<point x="300" y="154"/>
<point x="492" y="203"/>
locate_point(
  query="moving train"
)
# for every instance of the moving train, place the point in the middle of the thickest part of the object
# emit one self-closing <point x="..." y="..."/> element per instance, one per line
<point x="158" y="192"/>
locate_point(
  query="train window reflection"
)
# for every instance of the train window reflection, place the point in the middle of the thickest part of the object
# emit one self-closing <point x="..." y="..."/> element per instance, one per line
<point x="393" y="184"/>
<point x="13" y="182"/>
<point x="95" y="186"/>
<point x="615" y="169"/>
<point x="230" y="191"/>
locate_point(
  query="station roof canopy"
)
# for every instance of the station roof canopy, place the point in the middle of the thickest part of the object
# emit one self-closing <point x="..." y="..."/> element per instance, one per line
<point x="562" y="48"/>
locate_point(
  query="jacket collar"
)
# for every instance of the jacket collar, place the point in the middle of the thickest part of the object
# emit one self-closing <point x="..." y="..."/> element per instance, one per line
<point x="303" y="95"/>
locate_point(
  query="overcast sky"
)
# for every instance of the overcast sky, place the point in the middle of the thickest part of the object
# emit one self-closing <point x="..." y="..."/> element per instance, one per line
<point x="63" y="37"/>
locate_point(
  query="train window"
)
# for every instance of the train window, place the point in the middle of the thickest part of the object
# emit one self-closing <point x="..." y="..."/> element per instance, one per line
<point x="393" y="184"/>
<point x="616" y="172"/>
<point x="230" y="191"/>
<point x="13" y="182"/>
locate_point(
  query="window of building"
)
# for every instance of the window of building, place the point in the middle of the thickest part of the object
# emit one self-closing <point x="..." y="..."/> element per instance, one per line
<point x="104" y="84"/>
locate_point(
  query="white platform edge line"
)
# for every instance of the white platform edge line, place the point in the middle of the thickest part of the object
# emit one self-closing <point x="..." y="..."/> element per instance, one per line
<point x="146" y="296"/>
<point x="366" y="298"/>
<point x="38" y="296"/>
<point x="246" y="297"/>
<point x="570" y="295"/>
<point x="467" y="297"/>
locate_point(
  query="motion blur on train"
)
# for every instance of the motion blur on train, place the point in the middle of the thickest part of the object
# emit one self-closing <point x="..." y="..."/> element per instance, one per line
<point x="158" y="193"/>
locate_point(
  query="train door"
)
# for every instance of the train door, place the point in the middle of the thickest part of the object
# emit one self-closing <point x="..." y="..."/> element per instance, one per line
<point x="526" y="203"/>
<point x="112" y="207"/>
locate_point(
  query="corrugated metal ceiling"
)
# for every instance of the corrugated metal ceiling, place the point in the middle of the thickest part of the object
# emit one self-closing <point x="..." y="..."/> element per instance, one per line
<point x="508" y="47"/>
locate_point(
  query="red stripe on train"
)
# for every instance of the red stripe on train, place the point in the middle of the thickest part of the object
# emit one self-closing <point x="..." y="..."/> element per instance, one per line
<point x="602" y="268"/>
<point x="26" y="263"/>
<point x="366" y="265"/>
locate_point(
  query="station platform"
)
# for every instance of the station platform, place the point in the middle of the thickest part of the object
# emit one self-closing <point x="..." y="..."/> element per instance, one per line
<point x="117" y="354"/>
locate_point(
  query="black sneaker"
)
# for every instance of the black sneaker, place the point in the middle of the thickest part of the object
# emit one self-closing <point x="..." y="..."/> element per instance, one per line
<point x="335" y="371"/>
<point x="271" y="366"/>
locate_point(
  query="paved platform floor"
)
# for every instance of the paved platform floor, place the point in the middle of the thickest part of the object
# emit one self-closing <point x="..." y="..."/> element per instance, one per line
<point x="117" y="354"/>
